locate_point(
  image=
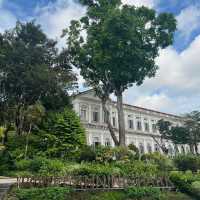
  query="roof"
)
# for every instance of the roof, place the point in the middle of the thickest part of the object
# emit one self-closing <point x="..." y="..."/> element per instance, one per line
<point x="137" y="107"/>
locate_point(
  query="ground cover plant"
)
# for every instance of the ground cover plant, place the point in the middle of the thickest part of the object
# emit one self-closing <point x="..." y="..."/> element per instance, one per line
<point x="60" y="193"/>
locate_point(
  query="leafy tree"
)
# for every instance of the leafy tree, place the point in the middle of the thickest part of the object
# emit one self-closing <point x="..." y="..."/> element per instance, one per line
<point x="192" y="125"/>
<point x="31" y="70"/>
<point x="164" y="128"/>
<point x="120" y="47"/>
<point x="33" y="117"/>
<point x="62" y="133"/>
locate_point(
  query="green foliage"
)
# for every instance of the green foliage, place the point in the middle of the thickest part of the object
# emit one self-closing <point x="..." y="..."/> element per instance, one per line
<point x="6" y="161"/>
<point x="195" y="188"/>
<point x="138" y="169"/>
<point x="51" y="193"/>
<point x="41" y="166"/>
<point x="187" y="162"/>
<point x="163" y="162"/>
<point x="140" y="193"/>
<point x="62" y="134"/>
<point x="87" y="154"/>
<point x="16" y="146"/>
<point x="186" y="182"/>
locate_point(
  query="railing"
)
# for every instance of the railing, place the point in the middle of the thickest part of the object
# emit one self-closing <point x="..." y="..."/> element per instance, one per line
<point x="93" y="182"/>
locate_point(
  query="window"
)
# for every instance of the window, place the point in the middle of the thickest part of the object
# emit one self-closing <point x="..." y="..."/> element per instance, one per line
<point x="141" y="148"/>
<point x="149" y="148"/>
<point x="107" y="142"/>
<point x="156" y="148"/>
<point x="96" y="142"/>
<point x="130" y="124"/>
<point x="170" y="150"/>
<point x="95" y="116"/>
<point x="182" y="150"/>
<point x="146" y="125"/>
<point x="139" y="124"/>
<point x="83" y="114"/>
<point x="114" y="119"/>
<point x="154" y="128"/>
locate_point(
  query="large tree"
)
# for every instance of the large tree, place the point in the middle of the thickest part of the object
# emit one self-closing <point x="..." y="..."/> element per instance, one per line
<point x="119" y="47"/>
<point x="31" y="70"/>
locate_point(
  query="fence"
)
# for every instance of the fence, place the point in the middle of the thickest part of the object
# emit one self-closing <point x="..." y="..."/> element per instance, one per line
<point x="94" y="182"/>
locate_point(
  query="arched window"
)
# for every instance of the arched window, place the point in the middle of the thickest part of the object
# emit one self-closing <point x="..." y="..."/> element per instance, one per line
<point x="170" y="150"/>
<point x="156" y="148"/>
<point x="107" y="142"/>
<point x="149" y="148"/>
<point x="141" y="148"/>
<point x="187" y="149"/>
<point x="182" y="150"/>
<point x="96" y="142"/>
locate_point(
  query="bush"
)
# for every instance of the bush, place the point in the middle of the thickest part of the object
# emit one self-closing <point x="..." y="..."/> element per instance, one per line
<point x="6" y="161"/>
<point x="89" y="169"/>
<point x="142" y="192"/>
<point x="164" y="164"/>
<point x="195" y="188"/>
<point x="186" y="182"/>
<point x="51" y="193"/>
<point x="123" y="154"/>
<point x="87" y="154"/>
<point x="62" y="134"/>
<point x="41" y="166"/>
<point x="138" y="169"/>
<point x="187" y="162"/>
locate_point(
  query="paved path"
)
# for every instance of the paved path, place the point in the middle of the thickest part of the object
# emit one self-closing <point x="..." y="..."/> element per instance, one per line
<point x="5" y="184"/>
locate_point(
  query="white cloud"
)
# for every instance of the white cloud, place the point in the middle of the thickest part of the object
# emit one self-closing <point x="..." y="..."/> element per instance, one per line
<point x="148" y="3"/>
<point x="155" y="102"/>
<point x="7" y="19"/>
<point x="56" y="16"/>
<point x="177" y="81"/>
<point x="188" y="21"/>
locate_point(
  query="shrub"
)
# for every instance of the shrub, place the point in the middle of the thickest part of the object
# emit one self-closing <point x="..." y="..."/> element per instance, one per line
<point x="6" y="161"/>
<point x="142" y="192"/>
<point x="51" y="193"/>
<point x="187" y="162"/>
<point x="90" y="169"/>
<point x="41" y="166"/>
<point x="163" y="163"/>
<point x="62" y="134"/>
<point x="186" y="182"/>
<point x="87" y="154"/>
<point x="195" y="188"/>
<point x="123" y="154"/>
<point x="138" y="169"/>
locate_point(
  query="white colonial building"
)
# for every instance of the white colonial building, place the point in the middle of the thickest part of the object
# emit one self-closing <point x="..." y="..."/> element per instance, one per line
<point x="140" y="123"/>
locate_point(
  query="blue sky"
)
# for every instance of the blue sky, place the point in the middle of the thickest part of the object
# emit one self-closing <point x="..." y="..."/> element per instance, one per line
<point x="175" y="87"/>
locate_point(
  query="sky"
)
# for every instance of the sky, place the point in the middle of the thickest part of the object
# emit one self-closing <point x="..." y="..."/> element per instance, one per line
<point x="174" y="89"/>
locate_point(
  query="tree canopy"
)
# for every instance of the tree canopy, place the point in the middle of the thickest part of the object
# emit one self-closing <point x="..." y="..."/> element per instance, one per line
<point x="119" y="47"/>
<point x="31" y="70"/>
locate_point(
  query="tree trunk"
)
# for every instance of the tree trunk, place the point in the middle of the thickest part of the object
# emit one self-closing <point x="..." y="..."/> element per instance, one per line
<point x="121" y="121"/>
<point x="161" y="145"/>
<point x="191" y="148"/>
<point x="196" y="149"/>
<point x="110" y="127"/>
<point x="5" y="134"/>
<point x="19" y="120"/>
<point x="27" y="141"/>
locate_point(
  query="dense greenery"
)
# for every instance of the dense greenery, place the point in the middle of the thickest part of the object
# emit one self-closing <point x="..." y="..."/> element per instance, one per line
<point x="187" y="182"/>
<point x="64" y="193"/>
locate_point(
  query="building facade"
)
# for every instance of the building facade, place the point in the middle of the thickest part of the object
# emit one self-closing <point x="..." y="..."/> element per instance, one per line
<point x="140" y="123"/>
